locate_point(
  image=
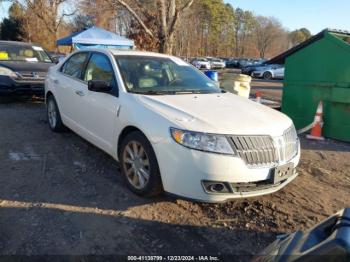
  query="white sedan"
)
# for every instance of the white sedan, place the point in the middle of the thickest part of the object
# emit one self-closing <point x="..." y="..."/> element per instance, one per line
<point x="201" y="63"/>
<point x="170" y="127"/>
<point x="216" y="63"/>
<point x="269" y="72"/>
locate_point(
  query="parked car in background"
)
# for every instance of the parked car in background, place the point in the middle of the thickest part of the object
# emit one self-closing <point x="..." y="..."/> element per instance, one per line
<point x="232" y="63"/>
<point x="259" y="61"/>
<point x="201" y="63"/>
<point x="244" y="63"/>
<point x="269" y="72"/>
<point x="56" y="57"/>
<point x="225" y="59"/>
<point x="23" y="68"/>
<point x="171" y="127"/>
<point x="248" y="70"/>
<point x="217" y="63"/>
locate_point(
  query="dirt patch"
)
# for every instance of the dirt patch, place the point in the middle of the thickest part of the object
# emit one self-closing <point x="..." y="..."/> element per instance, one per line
<point x="61" y="195"/>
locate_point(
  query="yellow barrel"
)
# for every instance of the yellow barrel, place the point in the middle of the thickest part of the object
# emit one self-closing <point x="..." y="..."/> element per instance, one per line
<point x="242" y="85"/>
<point x="236" y="83"/>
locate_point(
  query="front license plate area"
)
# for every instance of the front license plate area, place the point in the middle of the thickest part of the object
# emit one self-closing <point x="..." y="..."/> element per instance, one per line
<point x="282" y="173"/>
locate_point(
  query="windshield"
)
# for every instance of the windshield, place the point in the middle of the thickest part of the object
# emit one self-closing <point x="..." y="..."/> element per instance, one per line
<point x="155" y="75"/>
<point x="23" y="53"/>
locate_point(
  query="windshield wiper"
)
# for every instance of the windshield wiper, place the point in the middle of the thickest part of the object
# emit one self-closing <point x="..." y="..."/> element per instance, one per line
<point x="188" y="92"/>
<point x="153" y="92"/>
<point x="194" y="91"/>
<point x="172" y="92"/>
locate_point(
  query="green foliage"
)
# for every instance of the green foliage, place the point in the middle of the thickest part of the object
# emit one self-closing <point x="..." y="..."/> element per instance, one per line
<point x="12" y="28"/>
<point x="298" y="36"/>
<point x="217" y="20"/>
<point x="243" y="25"/>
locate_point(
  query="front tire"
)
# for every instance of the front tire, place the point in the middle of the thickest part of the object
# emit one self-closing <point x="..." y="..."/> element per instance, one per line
<point x="53" y="115"/>
<point x="267" y="76"/>
<point x="139" y="165"/>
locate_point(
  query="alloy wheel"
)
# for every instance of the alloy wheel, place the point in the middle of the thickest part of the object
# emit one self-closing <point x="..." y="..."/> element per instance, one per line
<point x="51" y="113"/>
<point x="267" y="76"/>
<point x="136" y="164"/>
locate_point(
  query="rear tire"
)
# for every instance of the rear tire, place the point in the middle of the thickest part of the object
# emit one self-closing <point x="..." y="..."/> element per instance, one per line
<point x="53" y="115"/>
<point x="267" y="76"/>
<point x="139" y="165"/>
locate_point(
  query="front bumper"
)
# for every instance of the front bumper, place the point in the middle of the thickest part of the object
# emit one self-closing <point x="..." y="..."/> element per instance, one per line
<point x="257" y="74"/>
<point x="218" y="66"/>
<point x="204" y="66"/>
<point x="247" y="72"/>
<point x="10" y="86"/>
<point x="183" y="171"/>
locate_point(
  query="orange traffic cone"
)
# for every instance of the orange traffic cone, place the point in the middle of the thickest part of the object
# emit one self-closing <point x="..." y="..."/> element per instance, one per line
<point x="316" y="131"/>
<point x="258" y="96"/>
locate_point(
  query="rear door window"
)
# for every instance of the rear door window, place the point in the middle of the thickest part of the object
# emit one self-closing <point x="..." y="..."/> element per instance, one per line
<point x="74" y="66"/>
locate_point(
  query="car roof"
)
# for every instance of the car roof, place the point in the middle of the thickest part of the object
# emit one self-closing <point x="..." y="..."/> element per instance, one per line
<point x="18" y="43"/>
<point x="125" y="52"/>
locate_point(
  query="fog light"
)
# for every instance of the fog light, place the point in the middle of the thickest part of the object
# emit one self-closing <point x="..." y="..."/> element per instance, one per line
<point x="216" y="187"/>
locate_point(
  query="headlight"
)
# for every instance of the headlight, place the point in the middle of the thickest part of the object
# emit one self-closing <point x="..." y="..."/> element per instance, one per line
<point x="7" y="72"/>
<point x="203" y="142"/>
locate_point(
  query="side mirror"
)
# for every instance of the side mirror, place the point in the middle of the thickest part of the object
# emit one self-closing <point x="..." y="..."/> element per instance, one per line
<point x="55" y="59"/>
<point x="99" y="86"/>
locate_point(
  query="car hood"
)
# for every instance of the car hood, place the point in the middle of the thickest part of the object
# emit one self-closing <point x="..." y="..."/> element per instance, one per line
<point x="19" y="66"/>
<point x="219" y="113"/>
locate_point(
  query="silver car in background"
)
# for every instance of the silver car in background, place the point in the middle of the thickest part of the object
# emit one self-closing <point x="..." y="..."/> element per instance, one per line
<point x="269" y="72"/>
<point x="217" y="63"/>
<point x="201" y="63"/>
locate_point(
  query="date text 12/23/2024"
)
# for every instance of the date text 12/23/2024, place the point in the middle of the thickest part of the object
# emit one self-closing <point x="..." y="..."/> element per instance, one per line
<point x="173" y="258"/>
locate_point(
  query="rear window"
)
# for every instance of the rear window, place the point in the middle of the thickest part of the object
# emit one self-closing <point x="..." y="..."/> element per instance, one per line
<point x="24" y="53"/>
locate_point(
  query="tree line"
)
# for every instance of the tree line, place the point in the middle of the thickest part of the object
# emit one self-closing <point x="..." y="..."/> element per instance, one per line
<point x="187" y="28"/>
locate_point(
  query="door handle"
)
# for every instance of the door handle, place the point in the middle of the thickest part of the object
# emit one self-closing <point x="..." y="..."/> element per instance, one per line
<point x="79" y="93"/>
<point x="56" y="81"/>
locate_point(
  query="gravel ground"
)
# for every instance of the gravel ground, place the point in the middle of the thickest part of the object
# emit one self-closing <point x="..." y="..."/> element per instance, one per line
<point x="61" y="195"/>
<point x="271" y="89"/>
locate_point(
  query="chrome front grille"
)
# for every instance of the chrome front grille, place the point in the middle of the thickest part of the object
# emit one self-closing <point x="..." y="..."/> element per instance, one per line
<point x="32" y="75"/>
<point x="264" y="151"/>
<point x="255" y="150"/>
<point x="290" y="138"/>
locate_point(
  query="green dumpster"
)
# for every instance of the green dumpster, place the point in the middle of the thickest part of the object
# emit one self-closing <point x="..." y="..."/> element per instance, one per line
<point x="319" y="69"/>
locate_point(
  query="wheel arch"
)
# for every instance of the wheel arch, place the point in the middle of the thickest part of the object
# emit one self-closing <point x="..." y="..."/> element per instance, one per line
<point x="156" y="187"/>
<point x="127" y="130"/>
<point x="270" y="72"/>
<point x="48" y="94"/>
